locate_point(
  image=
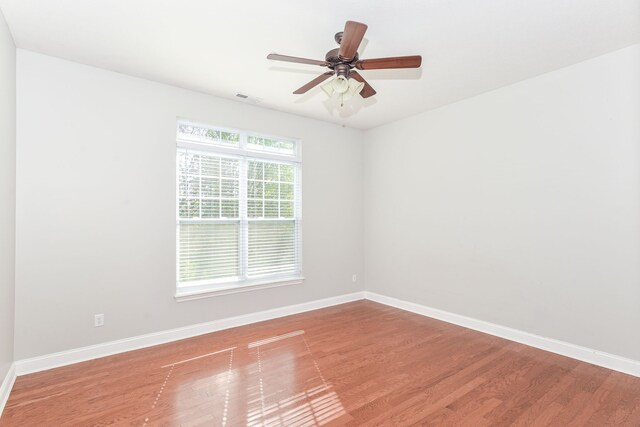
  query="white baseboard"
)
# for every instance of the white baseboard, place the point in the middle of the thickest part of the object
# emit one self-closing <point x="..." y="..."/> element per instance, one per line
<point x="49" y="361"/>
<point x="68" y="357"/>
<point x="595" y="357"/>
<point x="6" y="386"/>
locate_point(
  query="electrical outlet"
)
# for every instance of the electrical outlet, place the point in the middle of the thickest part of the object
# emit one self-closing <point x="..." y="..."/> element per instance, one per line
<point x="354" y="278"/>
<point x="98" y="320"/>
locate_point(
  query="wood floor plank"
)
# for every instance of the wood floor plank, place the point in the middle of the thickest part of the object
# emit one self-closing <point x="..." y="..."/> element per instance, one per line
<point x="357" y="364"/>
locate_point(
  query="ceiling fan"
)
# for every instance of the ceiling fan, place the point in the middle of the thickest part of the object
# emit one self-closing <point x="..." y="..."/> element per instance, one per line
<point x="342" y="61"/>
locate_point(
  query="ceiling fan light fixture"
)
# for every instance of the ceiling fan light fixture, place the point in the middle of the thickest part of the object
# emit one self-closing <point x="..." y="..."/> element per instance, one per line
<point x="355" y="86"/>
<point x="341" y="85"/>
<point x="354" y="89"/>
<point x="328" y="88"/>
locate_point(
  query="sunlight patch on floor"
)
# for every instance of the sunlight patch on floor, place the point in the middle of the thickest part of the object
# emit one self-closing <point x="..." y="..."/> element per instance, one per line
<point x="315" y="406"/>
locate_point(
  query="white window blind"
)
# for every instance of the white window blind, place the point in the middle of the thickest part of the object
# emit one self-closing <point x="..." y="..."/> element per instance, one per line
<point x="238" y="208"/>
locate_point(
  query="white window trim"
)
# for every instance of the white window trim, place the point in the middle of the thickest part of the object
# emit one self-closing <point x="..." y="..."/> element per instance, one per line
<point x="189" y="295"/>
<point x="212" y="288"/>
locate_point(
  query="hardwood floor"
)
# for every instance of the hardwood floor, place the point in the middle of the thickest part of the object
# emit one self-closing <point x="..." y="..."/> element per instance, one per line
<point x="360" y="364"/>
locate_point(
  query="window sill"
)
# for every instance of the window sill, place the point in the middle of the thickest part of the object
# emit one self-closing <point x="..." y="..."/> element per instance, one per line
<point x="234" y="289"/>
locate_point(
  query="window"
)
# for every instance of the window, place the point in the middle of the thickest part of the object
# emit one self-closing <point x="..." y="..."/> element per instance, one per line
<point x="238" y="210"/>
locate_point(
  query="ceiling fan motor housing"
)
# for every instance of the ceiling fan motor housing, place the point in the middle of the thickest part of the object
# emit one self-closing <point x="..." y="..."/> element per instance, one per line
<point x="334" y="61"/>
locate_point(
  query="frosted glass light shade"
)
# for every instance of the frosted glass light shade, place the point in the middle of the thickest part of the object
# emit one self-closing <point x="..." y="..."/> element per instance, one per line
<point x="341" y="85"/>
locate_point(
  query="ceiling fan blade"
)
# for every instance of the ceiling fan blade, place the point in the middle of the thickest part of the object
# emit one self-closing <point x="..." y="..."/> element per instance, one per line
<point x="351" y="38"/>
<point x="276" y="57"/>
<point x="392" y="62"/>
<point x="313" y="83"/>
<point x="367" y="90"/>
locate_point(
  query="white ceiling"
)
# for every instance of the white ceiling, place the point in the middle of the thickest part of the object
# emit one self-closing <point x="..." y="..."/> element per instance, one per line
<point x="220" y="47"/>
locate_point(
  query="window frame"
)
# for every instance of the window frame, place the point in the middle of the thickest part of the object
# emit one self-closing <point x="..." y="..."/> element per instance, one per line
<point x="241" y="152"/>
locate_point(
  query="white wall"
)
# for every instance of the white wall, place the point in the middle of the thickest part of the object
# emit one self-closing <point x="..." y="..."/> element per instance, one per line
<point x="96" y="209"/>
<point x="520" y="206"/>
<point x="7" y="194"/>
